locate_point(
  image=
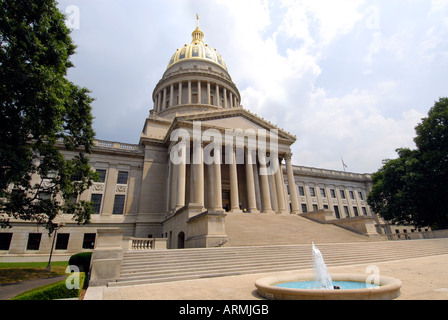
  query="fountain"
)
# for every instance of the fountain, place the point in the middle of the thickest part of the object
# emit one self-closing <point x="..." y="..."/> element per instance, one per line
<point x="321" y="274"/>
<point x="321" y="285"/>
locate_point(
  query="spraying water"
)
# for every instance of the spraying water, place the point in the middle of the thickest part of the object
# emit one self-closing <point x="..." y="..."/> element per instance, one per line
<point x="321" y="275"/>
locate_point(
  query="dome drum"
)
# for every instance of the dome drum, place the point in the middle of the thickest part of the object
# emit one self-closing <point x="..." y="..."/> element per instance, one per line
<point x="210" y="95"/>
<point x="196" y="80"/>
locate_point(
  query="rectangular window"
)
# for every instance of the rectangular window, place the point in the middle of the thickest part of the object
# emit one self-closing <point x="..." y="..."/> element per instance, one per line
<point x="304" y="209"/>
<point x="102" y="175"/>
<point x="89" y="241"/>
<point x="5" y="240"/>
<point x="336" y="212"/>
<point x="361" y="197"/>
<point x="342" y="194"/>
<point x="312" y="192"/>
<point x="326" y="206"/>
<point x="96" y="200"/>
<point x="364" y="211"/>
<point x="352" y="195"/>
<point x="347" y="213"/>
<point x="315" y="207"/>
<point x="322" y="193"/>
<point x="301" y="191"/>
<point x="122" y="177"/>
<point x="33" y="241"/>
<point x="355" y="211"/>
<point x="62" y="241"/>
<point x="118" y="204"/>
<point x="333" y="194"/>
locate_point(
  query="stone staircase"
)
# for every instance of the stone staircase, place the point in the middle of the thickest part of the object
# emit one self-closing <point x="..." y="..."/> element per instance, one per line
<point x="273" y="229"/>
<point x="151" y="266"/>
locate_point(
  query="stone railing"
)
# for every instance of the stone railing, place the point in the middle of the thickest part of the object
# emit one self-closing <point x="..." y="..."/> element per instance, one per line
<point x="131" y="243"/>
<point x="418" y="235"/>
<point x="116" y="145"/>
<point x="141" y="244"/>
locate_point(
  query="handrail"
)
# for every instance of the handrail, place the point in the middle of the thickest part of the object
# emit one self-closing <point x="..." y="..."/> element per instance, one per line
<point x="142" y="243"/>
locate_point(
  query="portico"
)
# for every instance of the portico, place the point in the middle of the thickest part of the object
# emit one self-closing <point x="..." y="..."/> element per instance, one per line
<point x="204" y="171"/>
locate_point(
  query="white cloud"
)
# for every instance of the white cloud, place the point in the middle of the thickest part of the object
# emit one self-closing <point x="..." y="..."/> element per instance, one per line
<point x="346" y="77"/>
<point x="319" y="22"/>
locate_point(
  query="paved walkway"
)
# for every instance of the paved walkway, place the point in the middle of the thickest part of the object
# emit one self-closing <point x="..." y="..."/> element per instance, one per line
<point x="423" y="279"/>
<point x="8" y="291"/>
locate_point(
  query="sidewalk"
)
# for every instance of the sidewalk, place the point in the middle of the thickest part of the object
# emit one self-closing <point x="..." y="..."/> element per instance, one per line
<point x="423" y="279"/>
<point x="8" y="291"/>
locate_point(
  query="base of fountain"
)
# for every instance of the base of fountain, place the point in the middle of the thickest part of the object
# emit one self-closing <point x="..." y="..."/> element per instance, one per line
<point x="388" y="289"/>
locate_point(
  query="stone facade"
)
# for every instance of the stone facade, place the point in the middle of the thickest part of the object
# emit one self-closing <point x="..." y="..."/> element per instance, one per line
<point x="146" y="195"/>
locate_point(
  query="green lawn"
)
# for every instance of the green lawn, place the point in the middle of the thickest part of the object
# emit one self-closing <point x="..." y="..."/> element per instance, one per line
<point x="13" y="272"/>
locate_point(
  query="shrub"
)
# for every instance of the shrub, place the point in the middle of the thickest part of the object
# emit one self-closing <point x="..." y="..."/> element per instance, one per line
<point x="53" y="291"/>
<point x="81" y="260"/>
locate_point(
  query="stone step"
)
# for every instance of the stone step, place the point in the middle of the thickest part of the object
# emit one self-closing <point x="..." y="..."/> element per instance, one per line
<point x="259" y="252"/>
<point x="166" y="265"/>
<point x="175" y="265"/>
<point x="183" y="275"/>
<point x="266" y="229"/>
<point x="162" y="267"/>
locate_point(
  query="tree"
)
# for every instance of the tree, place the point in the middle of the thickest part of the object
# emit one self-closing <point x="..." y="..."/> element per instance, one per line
<point x="412" y="189"/>
<point x="41" y="113"/>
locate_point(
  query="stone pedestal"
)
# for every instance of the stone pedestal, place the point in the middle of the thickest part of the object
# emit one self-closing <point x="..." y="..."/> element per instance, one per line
<point x="206" y="230"/>
<point x="107" y="257"/>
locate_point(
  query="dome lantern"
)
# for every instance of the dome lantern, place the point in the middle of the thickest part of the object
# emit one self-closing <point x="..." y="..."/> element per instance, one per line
<point x="197" y="50"/>
<point x="197" y="34"/>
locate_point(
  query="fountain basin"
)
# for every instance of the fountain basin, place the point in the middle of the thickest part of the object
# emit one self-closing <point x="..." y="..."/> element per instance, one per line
<point x="388" y="289"/>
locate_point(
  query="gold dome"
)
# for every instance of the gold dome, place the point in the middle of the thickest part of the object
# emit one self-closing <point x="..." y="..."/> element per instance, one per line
<point x="197" y="50"/>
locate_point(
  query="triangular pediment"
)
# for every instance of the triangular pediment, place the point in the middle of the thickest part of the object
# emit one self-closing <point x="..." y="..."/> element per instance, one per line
<point x="235" y="119"/>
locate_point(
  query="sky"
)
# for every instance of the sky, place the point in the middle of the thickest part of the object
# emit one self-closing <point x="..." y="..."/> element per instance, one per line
<point x="350" y="78"/>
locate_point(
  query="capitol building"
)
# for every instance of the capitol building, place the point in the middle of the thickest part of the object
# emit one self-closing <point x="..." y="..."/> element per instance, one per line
<point x="202" y="159"/>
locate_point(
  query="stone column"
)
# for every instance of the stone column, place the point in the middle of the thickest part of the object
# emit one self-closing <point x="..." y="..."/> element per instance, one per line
<point x="231" y="99"/>
<point x="265" y="194"/>
<point x="171" y="95"/>
<point x="208" y="93"/>
<point x="225" y="98"/>
<point x="279" y="187"/>
<point x="199" y="92"/>
<point x="252" y="201"/>
<point x="173" y="186"/>
<point x="189" y="92"/>
<point x="181" y="180"/>
<point x="168" y="186"/>
<point x="217" y="187"/>
<point x="273" y="190"/>
<point x="180" y="93"/>
<point x="292" y="185"/>
<point x="164" y="99"/>
<point x="159" y="101"/>
<point x="155" y="103"/>
<point x="217" y="95"/>
<point x="197" y="175"/>
<point x="234" y="197"/>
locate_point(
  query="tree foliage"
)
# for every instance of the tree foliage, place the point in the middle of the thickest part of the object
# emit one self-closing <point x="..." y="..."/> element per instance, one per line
<point x="41" y="113"/>
<point x="412" y="189"/>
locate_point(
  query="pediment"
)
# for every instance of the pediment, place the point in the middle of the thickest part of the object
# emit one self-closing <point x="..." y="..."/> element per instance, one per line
<point x="235" y="119"/>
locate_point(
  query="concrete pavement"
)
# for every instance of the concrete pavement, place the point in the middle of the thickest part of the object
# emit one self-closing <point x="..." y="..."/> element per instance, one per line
<point x="423" y="278"/>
